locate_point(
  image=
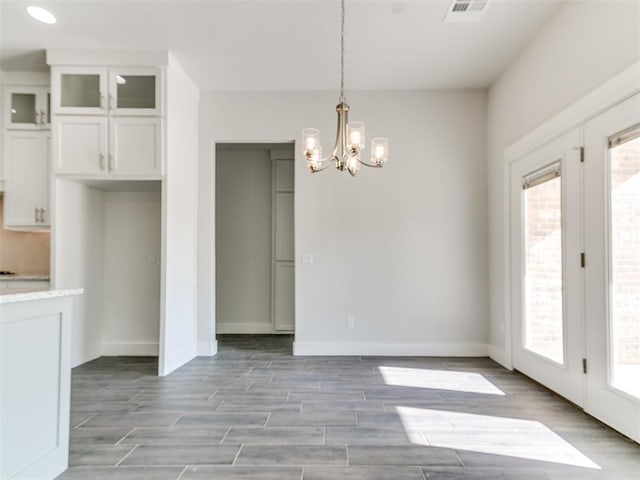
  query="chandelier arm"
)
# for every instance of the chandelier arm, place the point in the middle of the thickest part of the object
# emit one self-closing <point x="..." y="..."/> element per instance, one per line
<point x="367" y="164"/>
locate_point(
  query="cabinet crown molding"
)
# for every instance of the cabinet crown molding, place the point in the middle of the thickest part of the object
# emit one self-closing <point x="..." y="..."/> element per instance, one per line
<point x="71" y="57"/>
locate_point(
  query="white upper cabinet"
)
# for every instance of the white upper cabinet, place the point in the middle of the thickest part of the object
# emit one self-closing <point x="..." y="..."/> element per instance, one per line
<point x="80" y="145"/>
<point x="99" y="91"/>
<point x="26" y="203"/>
<point x="135" y="91"/>
<point x="79" y="90"/>
<point x="27" y="108"/>
<point x="107" y="121"/>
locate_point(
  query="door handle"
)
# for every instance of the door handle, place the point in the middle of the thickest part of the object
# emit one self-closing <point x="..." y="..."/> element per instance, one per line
<point x="102" y="161"/>
<point x="38" y="121"/>
<point x="43" y="117"/>
<point x="110" y="101"/>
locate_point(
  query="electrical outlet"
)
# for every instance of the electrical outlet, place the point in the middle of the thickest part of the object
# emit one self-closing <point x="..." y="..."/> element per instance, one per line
<point x="351" y="322"/>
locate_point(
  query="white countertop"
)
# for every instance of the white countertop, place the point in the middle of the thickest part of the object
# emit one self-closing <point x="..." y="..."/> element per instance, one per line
<point x="18" y="295"/>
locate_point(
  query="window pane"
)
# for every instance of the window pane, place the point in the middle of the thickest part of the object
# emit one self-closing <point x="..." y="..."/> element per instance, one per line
<point x="624" y="295"/>
<point x="23" y="108"/>
<point x="136" y="91"/>
<point x="543" y="269"/>
<point x="80" y="90"/>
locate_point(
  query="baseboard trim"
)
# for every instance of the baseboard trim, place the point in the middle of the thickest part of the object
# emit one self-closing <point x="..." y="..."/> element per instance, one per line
<point x="207" y="349"/>
<point x="236" y="328"/>
<point x="390" y="349"/>
<point x="129" y="349"/>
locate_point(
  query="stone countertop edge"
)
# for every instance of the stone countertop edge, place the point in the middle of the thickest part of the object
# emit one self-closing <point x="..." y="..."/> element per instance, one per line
<point x="38" y="295"/>
<point x="23" y="278"/>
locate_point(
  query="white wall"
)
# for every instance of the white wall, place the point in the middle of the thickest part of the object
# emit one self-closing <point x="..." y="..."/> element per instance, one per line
<point x="581" y="47"/>
<point x="77" y="249"/>
<point x="243" y="241"/>
<point x="402" y="249"/>
<point x="132" y="227"/>
<point x="178" y="337"/>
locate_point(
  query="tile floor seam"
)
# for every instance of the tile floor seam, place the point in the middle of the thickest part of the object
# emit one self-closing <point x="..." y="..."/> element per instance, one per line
<point x="237" y="454"/>
<point x="182" y="472"/>
<point x="125" y="457"/>
<point x="225" y="436"/>
<point x="125" y="436"/>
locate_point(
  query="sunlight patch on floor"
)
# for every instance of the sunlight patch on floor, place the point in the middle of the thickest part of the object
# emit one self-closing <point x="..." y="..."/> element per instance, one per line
<point x="438" y="379"/>
<point x="512" y="437"/>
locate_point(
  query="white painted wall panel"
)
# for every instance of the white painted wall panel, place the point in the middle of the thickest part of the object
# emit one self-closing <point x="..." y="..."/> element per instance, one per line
<point x="243" y="247"/>
<point x="178" y="338"/>
<point x="402" y="249"/>
<point x="132" y="234"/>
<point x="77" y="246"/>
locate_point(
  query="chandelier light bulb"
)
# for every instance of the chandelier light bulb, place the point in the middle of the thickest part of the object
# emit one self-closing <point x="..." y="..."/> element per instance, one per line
<point x="310" y="141"/>
<point x="379" y="150"/>
<point x="355" y="132"/>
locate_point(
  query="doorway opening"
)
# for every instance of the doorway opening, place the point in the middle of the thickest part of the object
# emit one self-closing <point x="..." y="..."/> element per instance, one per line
<point x="254" y="239"/>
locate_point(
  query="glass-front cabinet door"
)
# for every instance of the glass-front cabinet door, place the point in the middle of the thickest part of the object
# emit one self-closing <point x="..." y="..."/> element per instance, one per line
<point x="79" y="90"/>
<point x="135" y="91"/>
<point x="27" y="108"/>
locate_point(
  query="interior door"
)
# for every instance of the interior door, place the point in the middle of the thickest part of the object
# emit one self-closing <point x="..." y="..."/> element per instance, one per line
<point x="546" y="266"/>
<point x="612" y="273"/>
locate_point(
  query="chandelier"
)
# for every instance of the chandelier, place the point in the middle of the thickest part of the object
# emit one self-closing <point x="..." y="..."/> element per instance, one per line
<point x="349" y="138"/>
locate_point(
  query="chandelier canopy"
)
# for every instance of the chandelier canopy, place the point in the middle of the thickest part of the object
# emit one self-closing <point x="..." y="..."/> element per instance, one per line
<point x="349" y="137"/>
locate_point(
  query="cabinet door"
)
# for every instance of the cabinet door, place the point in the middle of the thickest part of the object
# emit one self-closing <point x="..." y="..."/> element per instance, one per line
<point x="135" y="91"/>
<point x="284" y="296"/>
<point x="80" y="145"/>
<point x="135" y="147"/>
<point x="22" y="108"/>
<point x="27" y="182"/>
<point x="79" y="90"/>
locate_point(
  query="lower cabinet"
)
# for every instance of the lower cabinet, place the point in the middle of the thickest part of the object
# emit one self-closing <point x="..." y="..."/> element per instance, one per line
<point x="108" y="147"/>
<point x="26" y="197"/>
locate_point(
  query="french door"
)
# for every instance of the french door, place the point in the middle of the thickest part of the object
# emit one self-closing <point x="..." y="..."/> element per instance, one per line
<point x="612" y="273"/>
<point x="546" y="273"/>
<point x="575" y="266"/>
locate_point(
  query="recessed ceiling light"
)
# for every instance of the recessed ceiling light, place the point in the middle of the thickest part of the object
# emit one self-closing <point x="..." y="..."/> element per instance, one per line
<point x="42" y="15"/>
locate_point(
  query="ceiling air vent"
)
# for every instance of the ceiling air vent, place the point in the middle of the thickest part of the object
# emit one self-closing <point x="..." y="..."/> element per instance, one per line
<point x="466" y="10"/>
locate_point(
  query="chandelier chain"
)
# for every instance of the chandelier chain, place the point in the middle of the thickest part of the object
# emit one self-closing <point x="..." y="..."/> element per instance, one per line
<point x="342" y="98"/>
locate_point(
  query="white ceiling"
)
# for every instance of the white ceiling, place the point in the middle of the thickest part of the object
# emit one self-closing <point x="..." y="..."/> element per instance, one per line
<point x="254" y="45"/>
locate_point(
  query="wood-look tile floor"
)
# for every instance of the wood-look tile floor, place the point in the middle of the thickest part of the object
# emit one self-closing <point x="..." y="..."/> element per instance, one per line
<point x="256" y="412"/>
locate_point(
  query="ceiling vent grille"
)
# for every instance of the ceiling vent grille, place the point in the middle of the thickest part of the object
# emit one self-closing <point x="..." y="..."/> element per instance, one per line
<point x="466" y="10"/>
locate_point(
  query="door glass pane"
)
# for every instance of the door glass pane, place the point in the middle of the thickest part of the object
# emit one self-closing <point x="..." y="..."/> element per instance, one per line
<point x="23" y="108"/>
<point x="136" y="91"/>
<point x="80" y="90"/>
<point x="624" y="293"/>
<point x="543" y="269"/>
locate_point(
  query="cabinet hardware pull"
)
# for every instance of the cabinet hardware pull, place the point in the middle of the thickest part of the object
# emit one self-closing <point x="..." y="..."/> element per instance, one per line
<point x="101" y="100"/>
<point x="110" y="101"/>
<point x="111" y="162"/>
<point x="43" y="117"/>
<point x="41" y="215"/>
<point x="37" y="117"/>
<point x="36" y="214"/>
<point x="102" y="161"/>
